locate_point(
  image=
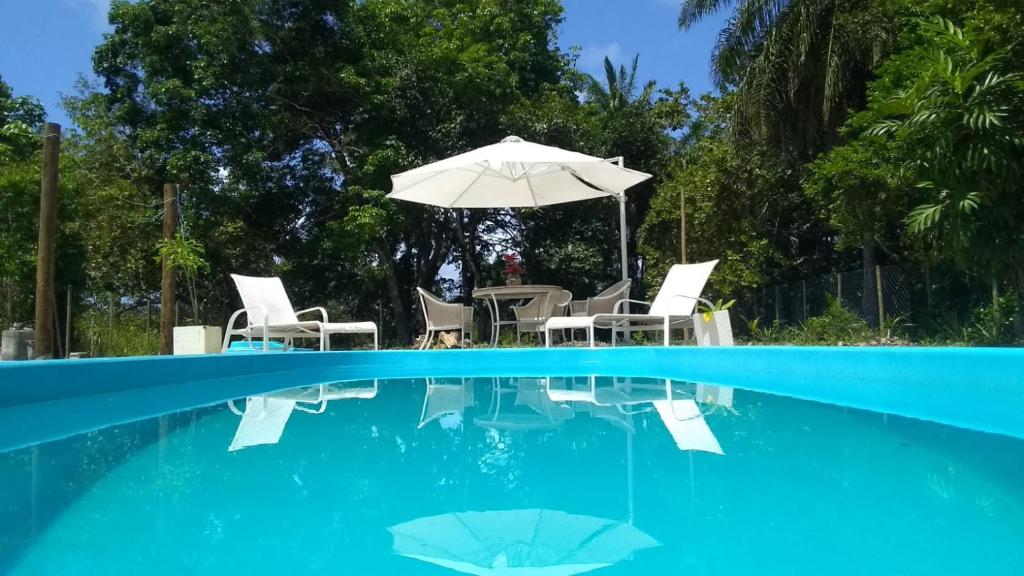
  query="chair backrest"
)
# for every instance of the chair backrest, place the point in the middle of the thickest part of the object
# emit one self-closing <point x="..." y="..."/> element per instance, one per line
<point x="265" y="294"/>
<point x="614" y="289"/>
<point x="438" y="313"/>
<point x="560" y="302"/>
<point x="604" y="302"/>
<point x="682" y="285"/>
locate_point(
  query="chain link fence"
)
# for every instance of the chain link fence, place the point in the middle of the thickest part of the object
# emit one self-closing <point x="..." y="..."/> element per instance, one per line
<point x="876" y="295"/>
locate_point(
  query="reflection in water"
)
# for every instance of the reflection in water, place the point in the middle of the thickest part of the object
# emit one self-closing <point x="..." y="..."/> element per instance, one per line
<point x="445" y="401"/>
<point x="530" y="409"/>
<point x="532" y="541"/>
<point x="161" y="496"/>
<point x="617" y="399"/>
<point x="265" y="417"/>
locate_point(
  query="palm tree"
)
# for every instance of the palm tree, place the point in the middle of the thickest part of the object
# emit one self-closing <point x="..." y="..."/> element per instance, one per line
<point x="620" y="88"/>
<point x="796" y="65"/>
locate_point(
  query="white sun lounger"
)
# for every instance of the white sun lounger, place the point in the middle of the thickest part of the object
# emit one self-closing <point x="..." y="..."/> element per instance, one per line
<point x="269" y="314"/>
<point x="672" y="307"/>
<point x="263" y="421"/>
<point x="686" y="424"/>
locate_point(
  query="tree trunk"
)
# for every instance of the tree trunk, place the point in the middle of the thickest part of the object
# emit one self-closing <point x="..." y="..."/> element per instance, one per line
<point x="394" y="291"/>
<point x="469" y="264"/>
<point x="869" y="305"/>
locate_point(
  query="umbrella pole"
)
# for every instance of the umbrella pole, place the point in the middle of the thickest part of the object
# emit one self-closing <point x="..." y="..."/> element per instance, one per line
<point x="623" y="232"/>
<point x="624" y="260"/>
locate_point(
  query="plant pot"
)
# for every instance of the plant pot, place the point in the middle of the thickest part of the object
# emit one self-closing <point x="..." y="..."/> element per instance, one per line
<point x="197" y="339"/>
<point x="713" y="331"/>
<point x="513" y="280"/>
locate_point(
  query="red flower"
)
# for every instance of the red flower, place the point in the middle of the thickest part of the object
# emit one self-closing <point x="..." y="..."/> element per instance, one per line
<point x="512" y="265"/>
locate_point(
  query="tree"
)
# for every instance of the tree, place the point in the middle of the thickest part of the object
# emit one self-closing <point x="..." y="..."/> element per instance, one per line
<point x="744" y="208"/>
<point x="797" y="66"/>
<point x="960" y="110"/>
<point x="21" y="119"/>
<point x="286" y="117"/>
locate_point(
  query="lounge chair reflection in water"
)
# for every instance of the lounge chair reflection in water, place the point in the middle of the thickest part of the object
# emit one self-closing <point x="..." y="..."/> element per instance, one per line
<point x="531" y="409"/>
<point x="682" y="417"/>
<point x="265" y="416"/>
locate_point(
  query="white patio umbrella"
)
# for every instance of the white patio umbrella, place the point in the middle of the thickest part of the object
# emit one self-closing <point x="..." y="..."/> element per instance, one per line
<point x="518" y="174"/>
<point x="513" y="542"/>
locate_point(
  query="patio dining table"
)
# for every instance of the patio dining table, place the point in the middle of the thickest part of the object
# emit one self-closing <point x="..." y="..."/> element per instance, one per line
<point x="494" y="294"/>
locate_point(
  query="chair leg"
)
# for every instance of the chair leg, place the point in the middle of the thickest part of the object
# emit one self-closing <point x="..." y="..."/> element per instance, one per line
<point x="590" y="335"/>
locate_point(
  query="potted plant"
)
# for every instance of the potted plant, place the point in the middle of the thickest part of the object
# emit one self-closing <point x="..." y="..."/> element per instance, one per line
<point x="186" y="257"/>
<point x="513" y="270"/>
<point x="712" y="325"/>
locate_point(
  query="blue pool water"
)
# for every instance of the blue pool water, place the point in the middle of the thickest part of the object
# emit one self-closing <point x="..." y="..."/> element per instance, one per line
<point x="543" y="475"/>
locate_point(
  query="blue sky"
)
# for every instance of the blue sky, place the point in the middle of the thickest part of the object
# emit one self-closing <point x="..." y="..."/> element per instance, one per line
<point x="46" y="44"/>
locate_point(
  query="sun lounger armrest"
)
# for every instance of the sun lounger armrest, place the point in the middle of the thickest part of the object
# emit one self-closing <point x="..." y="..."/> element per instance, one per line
<point x="247" y="311"/>
<point x="321" y="310"/>
<point x="703" y="301"/>
<point x="618" y="305"/>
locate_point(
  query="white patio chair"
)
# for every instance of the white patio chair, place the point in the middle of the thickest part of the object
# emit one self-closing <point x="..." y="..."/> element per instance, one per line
<point x="604" y="302"/>
<point x="672" y="307"/>
<point x="440" y="316"/>
<point x="531" y="316"/>
<point x="444" y="397"/>
<point x="269" y="314"/>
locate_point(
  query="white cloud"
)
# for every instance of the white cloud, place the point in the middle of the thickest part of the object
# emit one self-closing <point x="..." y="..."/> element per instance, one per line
<point x="95" y="10"/>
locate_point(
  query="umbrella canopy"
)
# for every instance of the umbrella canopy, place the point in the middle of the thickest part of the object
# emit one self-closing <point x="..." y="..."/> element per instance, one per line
<point x="513" y="174"/>
<point x="511" y="542"/>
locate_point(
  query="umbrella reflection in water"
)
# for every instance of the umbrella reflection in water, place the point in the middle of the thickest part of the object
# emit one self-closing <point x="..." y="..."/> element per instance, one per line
<point x="510" y="542"/>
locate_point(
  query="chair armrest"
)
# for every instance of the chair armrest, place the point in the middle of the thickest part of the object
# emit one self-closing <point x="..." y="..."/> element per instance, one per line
<point x="707" y="303"/>
<point x="618" y="305"/>
<point x="321" y="310"/>
<point x="247" y="312"/>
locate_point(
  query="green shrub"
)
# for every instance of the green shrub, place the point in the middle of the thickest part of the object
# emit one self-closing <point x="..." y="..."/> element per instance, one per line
<point x="127" y="335"/>
<point x="836" y="325"/>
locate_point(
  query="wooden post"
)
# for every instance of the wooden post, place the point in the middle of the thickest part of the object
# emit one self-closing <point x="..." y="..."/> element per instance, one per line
<point x="839" y="288"/>
<point x="47" y="245"/>
<point x="67" y="327"/>
<point x="167" y="284"/>
<point x="682" y="226"/>
<point x="878" y="291"/>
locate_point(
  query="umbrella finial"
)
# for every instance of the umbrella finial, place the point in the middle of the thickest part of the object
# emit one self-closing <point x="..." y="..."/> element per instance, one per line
<point x="511" y="139"/>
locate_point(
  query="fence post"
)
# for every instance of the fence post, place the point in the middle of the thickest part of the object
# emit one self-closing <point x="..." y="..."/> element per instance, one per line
<point x="46" y="309"/>
<point x="839" y="288"/>
<point x="878" y="290"/>
<point x="168" y="308"/>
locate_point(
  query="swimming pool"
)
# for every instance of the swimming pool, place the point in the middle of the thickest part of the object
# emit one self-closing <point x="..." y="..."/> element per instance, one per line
<point x="767" y="461"/>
